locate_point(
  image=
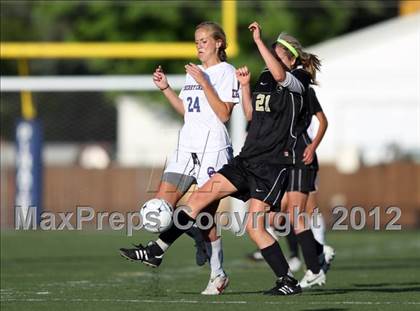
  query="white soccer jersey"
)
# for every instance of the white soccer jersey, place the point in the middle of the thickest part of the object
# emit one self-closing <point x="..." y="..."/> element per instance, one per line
<point x="203" y="131"/>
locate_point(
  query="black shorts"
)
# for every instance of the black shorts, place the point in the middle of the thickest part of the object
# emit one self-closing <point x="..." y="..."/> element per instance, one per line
<point x="302" y="180"/>
<point x="265" y="182"/>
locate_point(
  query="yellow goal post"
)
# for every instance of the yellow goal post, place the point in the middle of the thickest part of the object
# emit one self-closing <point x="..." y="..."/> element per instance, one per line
<point x="144" y="50"/>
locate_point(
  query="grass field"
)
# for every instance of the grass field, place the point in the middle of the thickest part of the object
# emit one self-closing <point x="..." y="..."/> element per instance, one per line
<point x="82" y="271"/>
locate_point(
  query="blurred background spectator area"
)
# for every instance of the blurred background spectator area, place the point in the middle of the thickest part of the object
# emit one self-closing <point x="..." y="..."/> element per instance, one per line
<point x="107" y="132"/>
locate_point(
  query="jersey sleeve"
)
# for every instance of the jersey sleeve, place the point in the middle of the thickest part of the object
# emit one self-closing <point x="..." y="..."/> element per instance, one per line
<point x="296" y="81"/>
<point x="228" y="87"/>
<point x="314" y="105"/>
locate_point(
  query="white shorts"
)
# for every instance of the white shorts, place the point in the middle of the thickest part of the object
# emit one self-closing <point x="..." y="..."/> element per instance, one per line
<point x="200" y="166"/>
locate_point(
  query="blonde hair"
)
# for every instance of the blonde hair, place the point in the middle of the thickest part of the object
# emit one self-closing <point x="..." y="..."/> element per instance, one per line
<point x="217" y="34"/>
<point x="310" y="62"/>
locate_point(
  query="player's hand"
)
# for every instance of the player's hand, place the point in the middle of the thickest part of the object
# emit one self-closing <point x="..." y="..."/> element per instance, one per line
<point x="159" y="78"/>
<point x="255" y="28"/>
<point x="308" y="154"/>
<point x="243" y="75"/>
<point x="194" y="71"/>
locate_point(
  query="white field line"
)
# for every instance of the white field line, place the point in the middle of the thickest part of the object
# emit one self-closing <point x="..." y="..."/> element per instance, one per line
<point x="239" y="302"/>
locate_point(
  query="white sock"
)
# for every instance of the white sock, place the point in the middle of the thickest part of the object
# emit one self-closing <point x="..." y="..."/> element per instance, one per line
<point x="214" y="249"/>
<point x="318" y="227"/>
<point x="164" y="246"/>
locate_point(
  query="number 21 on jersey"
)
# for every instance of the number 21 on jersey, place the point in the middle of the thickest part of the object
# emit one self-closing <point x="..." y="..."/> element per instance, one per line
<point x="261" y="103"/>
<point x="193" y="104"/>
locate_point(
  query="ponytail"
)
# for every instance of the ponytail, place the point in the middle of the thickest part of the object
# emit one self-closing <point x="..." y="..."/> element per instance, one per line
<point x="222" y="54"/>
<point x="311" y="64"/>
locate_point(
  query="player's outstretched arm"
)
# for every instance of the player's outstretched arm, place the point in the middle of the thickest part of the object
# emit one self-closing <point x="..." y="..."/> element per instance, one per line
<point x="160" y="80"/>
<point x="276" y="69"/>
<point x="222" y="109"/>
<point x="244" y="77"/>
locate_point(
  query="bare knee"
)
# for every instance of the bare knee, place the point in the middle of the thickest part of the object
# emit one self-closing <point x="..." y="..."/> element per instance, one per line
<point x="253" y="234"/>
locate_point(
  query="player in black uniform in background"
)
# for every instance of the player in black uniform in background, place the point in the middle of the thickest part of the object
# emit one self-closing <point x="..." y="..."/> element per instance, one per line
<point x="260" y="171"/>
<point x="302" y="181"/>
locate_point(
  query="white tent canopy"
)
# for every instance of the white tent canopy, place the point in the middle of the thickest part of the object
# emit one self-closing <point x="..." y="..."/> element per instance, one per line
<point x="370" y="90"/>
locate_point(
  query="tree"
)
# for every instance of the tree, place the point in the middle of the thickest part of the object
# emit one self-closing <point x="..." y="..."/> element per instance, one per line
<point x="135" y="21"/>
<point x="140" y="21"/>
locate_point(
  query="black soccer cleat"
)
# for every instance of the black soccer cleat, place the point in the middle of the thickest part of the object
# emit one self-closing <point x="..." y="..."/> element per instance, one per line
<point x="201" y="256"/>
<point x="151" y="255"/>
<point x="323" y="263"/>
<point x="285" y="286"/>
<point x="325" y="259"/>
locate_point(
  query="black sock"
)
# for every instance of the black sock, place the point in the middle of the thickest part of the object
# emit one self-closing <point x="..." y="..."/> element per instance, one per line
<point x="307" y="242"/>
<point x="173" y="233"/>
<point x="293" y="243"/>
<point x="275" y="259"/>
<point x="195" y="234"/>
<point x="155" y="250"/>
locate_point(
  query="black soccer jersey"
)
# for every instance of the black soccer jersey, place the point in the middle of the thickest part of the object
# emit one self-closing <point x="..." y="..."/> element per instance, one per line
<point x="272" y="132"/>
<point x="310" y="108"/>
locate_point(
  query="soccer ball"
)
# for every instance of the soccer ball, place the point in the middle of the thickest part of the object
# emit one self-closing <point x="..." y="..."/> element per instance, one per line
<point x="156" y="215"/>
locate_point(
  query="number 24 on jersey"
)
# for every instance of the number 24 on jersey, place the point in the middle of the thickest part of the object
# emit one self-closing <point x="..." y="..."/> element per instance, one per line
<point x="193" y="105"/>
